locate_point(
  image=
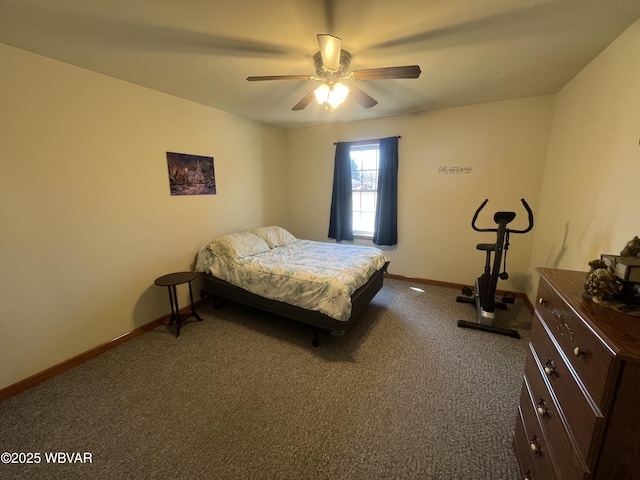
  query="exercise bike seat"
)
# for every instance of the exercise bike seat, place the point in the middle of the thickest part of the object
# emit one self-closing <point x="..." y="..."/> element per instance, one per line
<point x="487" y="247"/>
<point x="504" y="216"/>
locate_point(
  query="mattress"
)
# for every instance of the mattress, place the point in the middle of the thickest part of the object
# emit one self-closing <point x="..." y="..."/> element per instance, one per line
<point x="317" y="276"/>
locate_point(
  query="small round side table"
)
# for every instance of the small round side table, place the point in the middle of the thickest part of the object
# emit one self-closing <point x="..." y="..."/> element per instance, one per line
<point x="171" y="280"/>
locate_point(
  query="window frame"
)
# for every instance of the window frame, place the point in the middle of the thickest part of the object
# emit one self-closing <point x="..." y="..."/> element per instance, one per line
<point x="362" y="146"/>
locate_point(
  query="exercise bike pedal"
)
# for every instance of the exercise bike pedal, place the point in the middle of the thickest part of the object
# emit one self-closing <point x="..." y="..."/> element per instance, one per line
<point x="499" y="305"/>
<point x="508" y="298"/>
<point x="469" y="298"/>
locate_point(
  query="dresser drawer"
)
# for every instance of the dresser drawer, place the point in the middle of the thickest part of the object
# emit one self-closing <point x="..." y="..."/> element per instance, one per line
<point x="568" y="462"/>
<point x="588" y="356"/>
<point x="536" y="442"/>
<point x="574" y="405"/>
<point x="523" y="451"/>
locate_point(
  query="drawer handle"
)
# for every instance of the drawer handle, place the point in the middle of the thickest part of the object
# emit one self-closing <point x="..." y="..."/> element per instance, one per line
<point x="542" y="409"/>
<point x="535" y="446"/>
<point x="527" y="475"/>
<point x="550" y="368"/>
<point x="577" y="352"/>
<point x="542" y="301"/>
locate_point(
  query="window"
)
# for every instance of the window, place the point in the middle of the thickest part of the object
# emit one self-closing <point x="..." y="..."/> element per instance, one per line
<point x="365" y="163"/>
<point x="365" y="191"/>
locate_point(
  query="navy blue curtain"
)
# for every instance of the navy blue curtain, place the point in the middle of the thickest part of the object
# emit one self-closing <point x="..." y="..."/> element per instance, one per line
<point x="341" y="220"/>
<point x="385" y="230"/>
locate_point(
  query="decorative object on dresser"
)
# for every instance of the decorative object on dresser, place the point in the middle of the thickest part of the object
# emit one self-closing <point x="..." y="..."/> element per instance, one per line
<point x="614" y="280"/>
<point x="632" y="248"/>
<point x="579" y="414"/>
<point x="627" y="269"/>
<point x="601" y="285"/>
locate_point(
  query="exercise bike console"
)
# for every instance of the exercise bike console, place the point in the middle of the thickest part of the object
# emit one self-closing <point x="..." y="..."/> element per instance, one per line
<point x="484" y="296"/>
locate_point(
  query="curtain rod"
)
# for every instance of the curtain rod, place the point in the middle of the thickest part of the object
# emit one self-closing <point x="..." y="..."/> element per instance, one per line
<point x="369" y="141"/>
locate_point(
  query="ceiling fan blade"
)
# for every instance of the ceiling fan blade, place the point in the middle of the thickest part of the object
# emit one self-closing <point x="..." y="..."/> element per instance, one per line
<point x="330" y="47"/>
<point x="306" y="100"/>
<point x="362" y="98"/>
<point x="408" y="71"/>
<point x="279" y="77"/>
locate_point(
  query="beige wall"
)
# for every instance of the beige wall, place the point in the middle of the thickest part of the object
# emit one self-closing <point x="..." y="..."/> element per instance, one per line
<point x="504" y="143"/>
<point x="87" y="219"/>
<point x="589" y="201"/>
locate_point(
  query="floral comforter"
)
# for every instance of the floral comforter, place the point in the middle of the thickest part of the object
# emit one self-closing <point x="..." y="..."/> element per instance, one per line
<point x="312" y="275"/>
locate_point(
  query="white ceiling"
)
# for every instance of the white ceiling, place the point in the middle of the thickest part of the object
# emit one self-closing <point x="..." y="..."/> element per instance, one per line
<point x="470" y="51"/>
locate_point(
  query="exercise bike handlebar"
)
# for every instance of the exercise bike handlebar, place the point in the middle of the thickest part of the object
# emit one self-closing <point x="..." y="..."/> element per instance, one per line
<point x="526" y="206"/>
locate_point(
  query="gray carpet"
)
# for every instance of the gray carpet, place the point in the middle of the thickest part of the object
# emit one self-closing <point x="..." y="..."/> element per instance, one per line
<point x="406" y="394"/>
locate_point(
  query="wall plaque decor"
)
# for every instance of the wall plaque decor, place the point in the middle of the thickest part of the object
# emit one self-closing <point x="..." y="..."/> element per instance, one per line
<point x="444" y="170"/>
<point x="191" y="174"/>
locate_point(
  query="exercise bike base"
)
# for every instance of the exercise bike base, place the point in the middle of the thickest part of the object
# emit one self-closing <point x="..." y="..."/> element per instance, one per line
<point x="489" y="328"/>
<point x="473" y="300"/>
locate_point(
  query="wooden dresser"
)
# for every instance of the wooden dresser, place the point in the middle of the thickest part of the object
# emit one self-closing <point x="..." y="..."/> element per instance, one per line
<point x="579" y="413"/>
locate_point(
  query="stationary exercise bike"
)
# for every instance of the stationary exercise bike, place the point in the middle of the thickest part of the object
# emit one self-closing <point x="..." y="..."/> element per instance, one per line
<point x="484" y="296"/>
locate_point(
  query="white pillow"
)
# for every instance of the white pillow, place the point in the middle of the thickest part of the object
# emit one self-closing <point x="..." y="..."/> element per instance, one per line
<point x="237" y="245"/>
<point x="274" y="236"/>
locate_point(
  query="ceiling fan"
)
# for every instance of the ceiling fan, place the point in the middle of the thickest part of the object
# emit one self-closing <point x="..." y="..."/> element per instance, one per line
<point x="332" y="67"/>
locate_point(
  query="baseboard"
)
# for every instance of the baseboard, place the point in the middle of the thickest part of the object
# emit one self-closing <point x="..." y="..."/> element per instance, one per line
<point x="40" y="377"/>
<point x="457" y="286"/>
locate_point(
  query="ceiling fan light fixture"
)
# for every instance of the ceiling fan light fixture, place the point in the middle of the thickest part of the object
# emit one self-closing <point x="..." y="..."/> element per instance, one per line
<point x="338" y="94"/>
<point x="331" y="95"/>
<point x="330" y="47"/>
<point x="322" y="93"/>
<point x="332" y="65"/>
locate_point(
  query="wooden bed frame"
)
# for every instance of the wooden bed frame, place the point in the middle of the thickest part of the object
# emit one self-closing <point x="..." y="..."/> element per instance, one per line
<point x="217" y="289"/>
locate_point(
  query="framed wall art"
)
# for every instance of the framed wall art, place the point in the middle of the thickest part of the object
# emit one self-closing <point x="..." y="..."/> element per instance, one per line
<point x="191" y="174"/>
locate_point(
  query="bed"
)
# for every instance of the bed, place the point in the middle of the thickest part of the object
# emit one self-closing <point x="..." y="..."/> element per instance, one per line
<point x="324" y="285"/>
